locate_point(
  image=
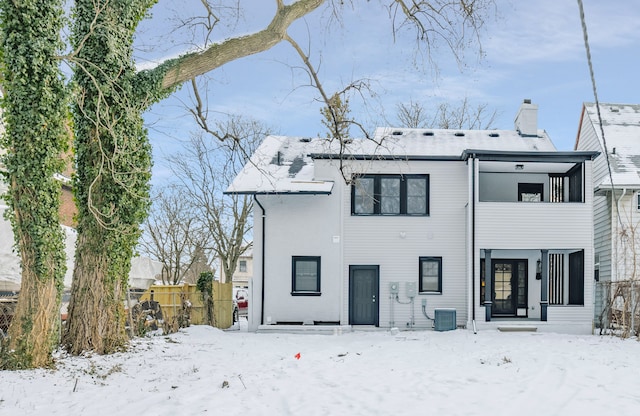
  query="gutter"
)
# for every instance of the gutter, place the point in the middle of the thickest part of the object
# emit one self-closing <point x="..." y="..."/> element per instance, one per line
<point x="264" y="218"/>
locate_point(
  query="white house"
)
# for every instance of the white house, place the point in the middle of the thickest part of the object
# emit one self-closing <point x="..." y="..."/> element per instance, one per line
<point x="617" y="193"/>
<point x="244" y="270"/>
<point x="401" y="230"/>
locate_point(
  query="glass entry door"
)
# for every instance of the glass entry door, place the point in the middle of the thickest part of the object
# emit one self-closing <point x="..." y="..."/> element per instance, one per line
<point x="509" y="282"/>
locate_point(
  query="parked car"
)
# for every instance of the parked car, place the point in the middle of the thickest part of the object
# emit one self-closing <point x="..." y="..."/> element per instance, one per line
<point x="241" y="300"/>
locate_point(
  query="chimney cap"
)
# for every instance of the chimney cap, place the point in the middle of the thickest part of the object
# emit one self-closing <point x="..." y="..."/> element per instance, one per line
<point x="527" y="100"/>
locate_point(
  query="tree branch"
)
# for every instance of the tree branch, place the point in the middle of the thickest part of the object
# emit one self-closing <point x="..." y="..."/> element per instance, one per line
<point x="191" y="65"/>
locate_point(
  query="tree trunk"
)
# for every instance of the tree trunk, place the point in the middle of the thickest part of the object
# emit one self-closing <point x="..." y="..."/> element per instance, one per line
<point x="34" y="115"/>
<point x="113" y="169"/>
<point x="34" y="328"/>
<point x="96" y="310"/>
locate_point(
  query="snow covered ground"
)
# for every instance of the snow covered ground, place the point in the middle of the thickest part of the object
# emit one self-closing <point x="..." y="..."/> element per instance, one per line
<point x="202" y="370"/>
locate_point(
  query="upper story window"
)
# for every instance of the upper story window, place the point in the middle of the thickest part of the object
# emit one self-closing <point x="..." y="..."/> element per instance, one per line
<point x="390" y="195"/>
<point x="530" y="192"/>
<point x="243" y="266"/>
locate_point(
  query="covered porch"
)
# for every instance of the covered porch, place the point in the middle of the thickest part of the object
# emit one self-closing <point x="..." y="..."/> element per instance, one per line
<point x="522" y="284"/>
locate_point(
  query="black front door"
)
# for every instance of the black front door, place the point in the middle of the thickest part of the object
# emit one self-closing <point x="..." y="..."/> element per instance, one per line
<point x="363" y="295"/>
<point x="509" y="282"/>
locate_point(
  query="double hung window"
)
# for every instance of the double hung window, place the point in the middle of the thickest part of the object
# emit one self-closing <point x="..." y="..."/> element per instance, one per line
<point x="430" y="275"/>
<point x="305" y="276"/>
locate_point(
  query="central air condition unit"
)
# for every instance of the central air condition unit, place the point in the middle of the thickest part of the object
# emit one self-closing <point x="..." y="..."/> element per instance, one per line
<point x="445" y="319"/>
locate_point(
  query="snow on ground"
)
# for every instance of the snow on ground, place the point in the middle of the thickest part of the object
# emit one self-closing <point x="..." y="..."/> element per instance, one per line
<point x="202" y="370"/>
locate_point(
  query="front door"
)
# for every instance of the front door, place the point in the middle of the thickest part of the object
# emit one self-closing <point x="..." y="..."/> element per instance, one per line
<point x="363" y="295"/>
<point x="509" y="282"/>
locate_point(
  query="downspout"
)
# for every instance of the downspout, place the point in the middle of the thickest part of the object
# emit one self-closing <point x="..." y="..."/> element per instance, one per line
<point x="264" y="217"/>
<point x="473" y="243"/>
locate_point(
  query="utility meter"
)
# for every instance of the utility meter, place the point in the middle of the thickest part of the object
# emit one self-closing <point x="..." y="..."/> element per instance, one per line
<point x="411" y="289"/>
<point x="394" y="288"/>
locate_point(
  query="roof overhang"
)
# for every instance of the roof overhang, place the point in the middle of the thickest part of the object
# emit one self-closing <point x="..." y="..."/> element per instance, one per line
<point x="605" y="188"/>
<point x="548" y="157"/>
<point x="349" y="156"/>
<point x="291" y="187"/>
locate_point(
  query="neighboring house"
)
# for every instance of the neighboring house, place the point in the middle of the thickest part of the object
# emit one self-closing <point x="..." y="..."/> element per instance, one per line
<point x="391" y="232"/>
<point x="617" y="196"/>
<point x="244" y="271"/>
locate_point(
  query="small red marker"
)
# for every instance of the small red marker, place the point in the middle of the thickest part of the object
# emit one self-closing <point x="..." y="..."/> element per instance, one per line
<point x="297" y="356"/>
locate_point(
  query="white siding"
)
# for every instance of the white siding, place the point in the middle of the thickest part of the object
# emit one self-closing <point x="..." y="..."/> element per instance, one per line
<point x="323" y="226"/>
<point x="298" y="225"/>
<point x="602" y="212"/>
<point x="395" y="243"/>
<point x="626" y="247"/>
<point x="533" y="225"/>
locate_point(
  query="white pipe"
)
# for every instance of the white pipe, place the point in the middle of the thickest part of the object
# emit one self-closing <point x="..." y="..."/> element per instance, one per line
<point x="392" y="322"/>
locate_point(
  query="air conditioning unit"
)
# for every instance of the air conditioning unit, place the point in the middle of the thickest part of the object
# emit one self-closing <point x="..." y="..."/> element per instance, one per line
<point x="445" y="319"/>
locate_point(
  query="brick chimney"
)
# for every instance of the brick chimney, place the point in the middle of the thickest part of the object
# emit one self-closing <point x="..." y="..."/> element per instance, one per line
<point x="526" y="122"/>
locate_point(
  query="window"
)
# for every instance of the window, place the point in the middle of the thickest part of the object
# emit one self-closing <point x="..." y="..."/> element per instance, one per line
<point x="556" y="188"/>
<point x="390" y="195"/>
<point x="576" y="278"/>
<point x="530" y="192"/>
<point x="638" y="201"/>
<point x="305" y="276"/>
<point x="243" y="266"/>
<point x="430" y="275"/>
<point x="576" y="190"/>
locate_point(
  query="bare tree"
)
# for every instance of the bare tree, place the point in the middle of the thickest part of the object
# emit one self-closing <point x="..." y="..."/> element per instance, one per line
<point x="173" y="234"/>
<point x="446" y="116"/>
<point x="412" y="115"/>
<point x="204" y="170"/>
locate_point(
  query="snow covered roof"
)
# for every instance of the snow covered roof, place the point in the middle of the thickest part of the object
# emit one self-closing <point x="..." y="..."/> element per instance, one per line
<point x="621" y="125"/>
<point x="284" y="164"/>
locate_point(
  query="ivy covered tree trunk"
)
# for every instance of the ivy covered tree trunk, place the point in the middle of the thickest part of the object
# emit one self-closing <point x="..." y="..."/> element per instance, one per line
<point x="113" y="154"/>
<point x="35" y="138"/>
<point x="113" y="170"/>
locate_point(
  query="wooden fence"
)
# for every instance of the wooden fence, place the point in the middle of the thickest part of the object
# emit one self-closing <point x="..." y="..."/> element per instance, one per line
<point x="186" y="302"/>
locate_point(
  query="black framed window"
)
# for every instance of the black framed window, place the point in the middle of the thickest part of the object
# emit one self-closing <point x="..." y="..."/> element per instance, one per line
<point x="575" y="184"/>
<point x="390" y="195"/>
<point x="305" y="276"/>
<point x="530" y="192"/>
<point x="430" y="275"/>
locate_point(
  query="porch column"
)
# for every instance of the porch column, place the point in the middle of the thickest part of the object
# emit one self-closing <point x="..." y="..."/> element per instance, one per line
<point x="544" y="284"/>
<point x="488" y="289"/>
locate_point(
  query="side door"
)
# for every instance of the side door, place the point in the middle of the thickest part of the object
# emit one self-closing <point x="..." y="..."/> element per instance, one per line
<point x="364" y="283"/>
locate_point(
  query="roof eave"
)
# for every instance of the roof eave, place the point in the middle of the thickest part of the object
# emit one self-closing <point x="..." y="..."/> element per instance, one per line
<point x="277" y="192"/>
<point x="530" y="156"/>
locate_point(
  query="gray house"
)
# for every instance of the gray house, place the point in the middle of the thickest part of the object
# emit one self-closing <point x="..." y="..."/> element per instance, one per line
<point x="616" y="200"/>
<point x="422" y="228"/>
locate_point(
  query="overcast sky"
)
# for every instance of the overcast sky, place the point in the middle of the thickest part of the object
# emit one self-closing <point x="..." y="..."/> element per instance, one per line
<point x="532" y="49"/>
